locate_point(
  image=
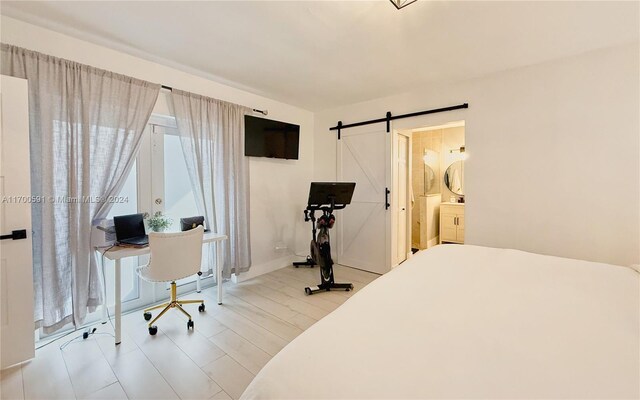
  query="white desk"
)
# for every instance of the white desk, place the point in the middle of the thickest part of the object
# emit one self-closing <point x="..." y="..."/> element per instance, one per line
<point x="117" y="253"/>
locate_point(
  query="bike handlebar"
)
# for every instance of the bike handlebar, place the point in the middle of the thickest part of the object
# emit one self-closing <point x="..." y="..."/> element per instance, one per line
<point x="316" y="207"/>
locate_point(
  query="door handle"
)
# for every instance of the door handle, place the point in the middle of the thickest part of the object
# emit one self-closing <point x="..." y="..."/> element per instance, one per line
<point x="15" y="235"/>
<point x="386" y="198"/>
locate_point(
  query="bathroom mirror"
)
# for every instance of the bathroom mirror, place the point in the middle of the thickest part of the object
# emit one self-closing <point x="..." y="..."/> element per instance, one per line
<point x="431" y="172"/>
<point x="454" y="177"/>
<point x="429" y="179"/>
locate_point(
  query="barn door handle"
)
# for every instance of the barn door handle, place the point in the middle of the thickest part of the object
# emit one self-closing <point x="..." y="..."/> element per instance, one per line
<point x="15" y="235"/>
<point x="386" y="198"/>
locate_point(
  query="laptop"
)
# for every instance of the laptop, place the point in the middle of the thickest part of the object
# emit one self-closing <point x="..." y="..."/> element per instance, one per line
<point x="130" y="230"/>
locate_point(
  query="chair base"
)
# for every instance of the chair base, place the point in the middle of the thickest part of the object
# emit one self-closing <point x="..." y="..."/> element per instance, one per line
<point x="173" y="303"/>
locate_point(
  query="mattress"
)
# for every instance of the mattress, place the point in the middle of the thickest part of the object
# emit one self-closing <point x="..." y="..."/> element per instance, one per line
<point x="471" y="322"/>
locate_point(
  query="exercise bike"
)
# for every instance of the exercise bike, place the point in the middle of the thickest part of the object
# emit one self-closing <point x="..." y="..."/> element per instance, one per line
<point x="325" y="197"/>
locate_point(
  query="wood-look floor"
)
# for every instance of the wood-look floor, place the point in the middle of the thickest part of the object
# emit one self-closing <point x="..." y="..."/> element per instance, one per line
<point x="217" y="360"/>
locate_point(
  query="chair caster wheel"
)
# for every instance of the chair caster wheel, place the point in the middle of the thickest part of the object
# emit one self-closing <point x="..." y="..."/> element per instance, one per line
<point x="147" y="316"/>
<point x="201" y="307"/>
<point x="307" y="291"/>
<point x="153" y="330"/>
<point x="189" y="324"/>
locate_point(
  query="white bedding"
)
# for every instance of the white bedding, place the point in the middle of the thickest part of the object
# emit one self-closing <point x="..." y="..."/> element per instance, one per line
<point x="471" y="322"/>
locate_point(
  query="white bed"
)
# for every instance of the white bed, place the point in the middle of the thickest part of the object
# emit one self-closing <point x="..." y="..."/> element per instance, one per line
<point x="471" y="322"/>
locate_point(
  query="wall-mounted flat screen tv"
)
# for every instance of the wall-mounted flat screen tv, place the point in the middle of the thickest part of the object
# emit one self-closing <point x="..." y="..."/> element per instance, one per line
<point x="268" y="138"/>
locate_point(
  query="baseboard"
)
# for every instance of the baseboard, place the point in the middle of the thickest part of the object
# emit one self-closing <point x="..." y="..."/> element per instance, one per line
<point x="433" y="242"/>
<point x="264" y="268"/>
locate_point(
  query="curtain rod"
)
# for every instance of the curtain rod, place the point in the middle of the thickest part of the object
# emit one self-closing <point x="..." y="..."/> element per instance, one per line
<point x="388" y="118"/>
<point x="263" y="112"/>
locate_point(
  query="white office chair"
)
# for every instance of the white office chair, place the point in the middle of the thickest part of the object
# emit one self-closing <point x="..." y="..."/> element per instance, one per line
<point x="173" y="256"/>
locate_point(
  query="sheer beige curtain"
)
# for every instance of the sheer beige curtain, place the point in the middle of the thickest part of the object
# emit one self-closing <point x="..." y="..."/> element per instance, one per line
<point x="212" y="137"/>
<point x="85" y="130"/>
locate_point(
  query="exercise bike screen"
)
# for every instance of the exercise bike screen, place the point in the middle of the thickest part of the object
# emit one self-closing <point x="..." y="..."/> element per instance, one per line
<point x="322" y="192"/>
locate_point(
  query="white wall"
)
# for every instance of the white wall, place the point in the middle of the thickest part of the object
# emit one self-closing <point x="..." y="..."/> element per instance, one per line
<point x="553" y="149"/>
<point x="554" y="153"/>
<point x="278" y="187"/>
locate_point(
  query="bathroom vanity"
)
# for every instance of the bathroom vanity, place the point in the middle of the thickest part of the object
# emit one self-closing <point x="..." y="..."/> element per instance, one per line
<point x="452" y="223"/>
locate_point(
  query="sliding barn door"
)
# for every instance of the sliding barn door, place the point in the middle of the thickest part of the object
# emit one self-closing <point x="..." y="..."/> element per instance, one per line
<point x="363" y="157"/>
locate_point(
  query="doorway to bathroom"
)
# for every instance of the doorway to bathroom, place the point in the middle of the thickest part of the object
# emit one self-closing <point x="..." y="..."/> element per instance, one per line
<point x="429" y="191"/>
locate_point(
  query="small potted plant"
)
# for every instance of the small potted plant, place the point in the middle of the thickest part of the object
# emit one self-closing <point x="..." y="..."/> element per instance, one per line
<point x="159" y="222"/>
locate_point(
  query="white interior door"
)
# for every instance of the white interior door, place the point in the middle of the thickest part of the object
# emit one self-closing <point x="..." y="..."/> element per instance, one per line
<point x="16" y="268"/>
<point x="400" y="208"/>
<point x="363" y="157"/>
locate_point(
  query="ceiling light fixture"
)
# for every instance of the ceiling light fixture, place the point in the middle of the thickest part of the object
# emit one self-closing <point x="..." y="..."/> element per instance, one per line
<point x="401" y="3"/>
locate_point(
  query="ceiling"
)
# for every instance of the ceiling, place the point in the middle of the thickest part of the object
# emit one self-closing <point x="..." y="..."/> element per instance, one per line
<point x="322" y="54"/>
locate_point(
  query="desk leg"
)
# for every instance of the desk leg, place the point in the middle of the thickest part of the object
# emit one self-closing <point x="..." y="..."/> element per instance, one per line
<point x="105" y="311"/>
<point x="219" y="269"/>
<point x="118" y="295"/>
<point x="198" y="289"/>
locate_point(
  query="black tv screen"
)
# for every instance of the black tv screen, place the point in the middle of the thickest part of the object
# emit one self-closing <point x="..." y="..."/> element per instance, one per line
<point x="267" y="138"/>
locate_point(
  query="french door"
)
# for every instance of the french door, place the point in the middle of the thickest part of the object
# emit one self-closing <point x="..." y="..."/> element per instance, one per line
<point x="159" y="181"/>
<point x="171" y="190"/>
